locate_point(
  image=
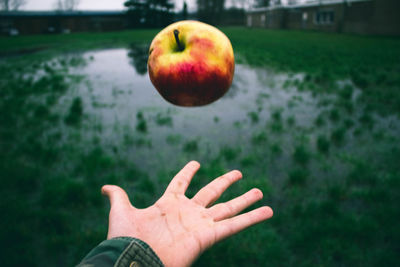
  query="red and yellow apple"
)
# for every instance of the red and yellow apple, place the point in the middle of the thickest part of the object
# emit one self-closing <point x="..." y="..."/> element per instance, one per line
<point x="191" y="63"/>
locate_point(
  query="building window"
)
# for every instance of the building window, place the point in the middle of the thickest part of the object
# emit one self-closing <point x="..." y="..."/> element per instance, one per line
<point x="249" y="21"/>
<point x="324" y="17"/>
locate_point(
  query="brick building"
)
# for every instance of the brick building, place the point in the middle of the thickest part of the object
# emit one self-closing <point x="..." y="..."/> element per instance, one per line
<point x="378" y="17"/>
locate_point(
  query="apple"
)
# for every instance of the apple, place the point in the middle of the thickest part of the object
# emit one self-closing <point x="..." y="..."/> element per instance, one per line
<point x="191" y="63"/>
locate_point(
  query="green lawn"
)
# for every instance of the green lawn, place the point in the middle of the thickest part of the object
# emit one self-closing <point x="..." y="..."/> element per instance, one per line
<point x="372" y="63"/>
<point x="334" y="206"/>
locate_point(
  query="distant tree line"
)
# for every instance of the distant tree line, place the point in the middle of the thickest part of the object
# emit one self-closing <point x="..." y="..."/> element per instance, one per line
<point x="159" y="13"/>
<point x="210" y="10"/>
<point x="66" y="4"/>
<point x="149" y="13"/>
<point x="8" y="5"/>
<point x="262" y="3"/>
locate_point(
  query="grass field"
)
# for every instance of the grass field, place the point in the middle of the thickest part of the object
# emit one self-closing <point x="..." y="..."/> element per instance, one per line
<point x="333" y="179"/>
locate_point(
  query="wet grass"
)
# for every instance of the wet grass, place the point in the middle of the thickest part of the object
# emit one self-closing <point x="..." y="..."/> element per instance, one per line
<point x="276" y="149"/>
<point x="253" y="116"/>
<point x="320" y="121"/>
<point x="298" y="177"/>
<point x="323" y="144"/>
<point x="173" y="139"/>
<point x="259" y="138"/>
<point x="333" y="182"/>
<point x="74" y="116"/>
<point x="73" y="42"/>
<point x="338" y="135"/>
<point x="301" y="155"/>
<point x="141" y="124"/>
<point x="327" y="57"/>
<point x="164" y="120"/>
<point x="324" y="57"/>
<point x="334" y="115"/>
<point x="291" y="121"/>
<point x="230" y="153"/>
<point x="191" y="146"/>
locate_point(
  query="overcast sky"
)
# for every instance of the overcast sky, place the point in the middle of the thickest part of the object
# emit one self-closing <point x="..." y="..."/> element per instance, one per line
<point x="90" y="4"/>
<point x="101" y="4"/>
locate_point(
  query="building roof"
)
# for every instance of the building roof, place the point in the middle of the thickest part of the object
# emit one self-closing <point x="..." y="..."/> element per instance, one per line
<point x="309" y="3"/>
<point x="73" y="13"/>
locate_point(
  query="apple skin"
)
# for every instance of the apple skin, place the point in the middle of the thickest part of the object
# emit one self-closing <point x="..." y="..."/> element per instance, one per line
<point x="196" y="76"/>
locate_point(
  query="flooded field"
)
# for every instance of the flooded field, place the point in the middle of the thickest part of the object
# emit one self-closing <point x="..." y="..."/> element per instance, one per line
<point x="80" y="120"/>
<point x="264" y="114"/>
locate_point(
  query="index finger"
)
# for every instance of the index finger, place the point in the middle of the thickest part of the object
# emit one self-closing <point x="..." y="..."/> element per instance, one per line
<point x="182" y="179"/>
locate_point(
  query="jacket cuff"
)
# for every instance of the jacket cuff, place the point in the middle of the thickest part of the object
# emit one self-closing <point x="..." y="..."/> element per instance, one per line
<point x="121" y="252"/>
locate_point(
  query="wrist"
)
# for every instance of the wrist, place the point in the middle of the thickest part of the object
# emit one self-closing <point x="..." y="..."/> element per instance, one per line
<point x="122" y="251"/>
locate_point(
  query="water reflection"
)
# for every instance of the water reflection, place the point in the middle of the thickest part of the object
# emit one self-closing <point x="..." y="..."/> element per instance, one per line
<point x="264" y="113"/>
<point x="138" y="55"/>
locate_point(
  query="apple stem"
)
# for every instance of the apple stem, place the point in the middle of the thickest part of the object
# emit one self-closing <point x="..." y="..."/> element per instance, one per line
<point x="176" y="33"/>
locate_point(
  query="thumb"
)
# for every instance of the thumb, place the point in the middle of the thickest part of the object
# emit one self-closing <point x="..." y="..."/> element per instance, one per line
<point x="120" y="208"/>
<point x="116" y="195"/>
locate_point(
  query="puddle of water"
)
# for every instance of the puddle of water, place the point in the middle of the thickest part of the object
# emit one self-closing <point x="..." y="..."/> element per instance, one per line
<point x="263" y="114"/>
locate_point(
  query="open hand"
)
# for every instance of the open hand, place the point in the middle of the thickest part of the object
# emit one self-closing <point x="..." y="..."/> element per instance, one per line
<point x="179" y="229"/>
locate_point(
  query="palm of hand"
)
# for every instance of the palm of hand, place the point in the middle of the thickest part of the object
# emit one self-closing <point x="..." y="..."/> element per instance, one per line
<point x="179" y="229"/>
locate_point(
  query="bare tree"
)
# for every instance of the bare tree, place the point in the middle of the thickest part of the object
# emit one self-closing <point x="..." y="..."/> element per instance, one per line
<point x="8" y="5"/>
<point x="150" y="13"/>
<point x="67" y="4"/>
<point x="262" y="3"/>
<point x="275" y="2"/>
<point x="239" y="3"/>
<point x="210" y="11"/>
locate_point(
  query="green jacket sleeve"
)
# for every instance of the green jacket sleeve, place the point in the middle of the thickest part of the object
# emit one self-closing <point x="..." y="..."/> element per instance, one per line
<point x="121" y="252"/>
